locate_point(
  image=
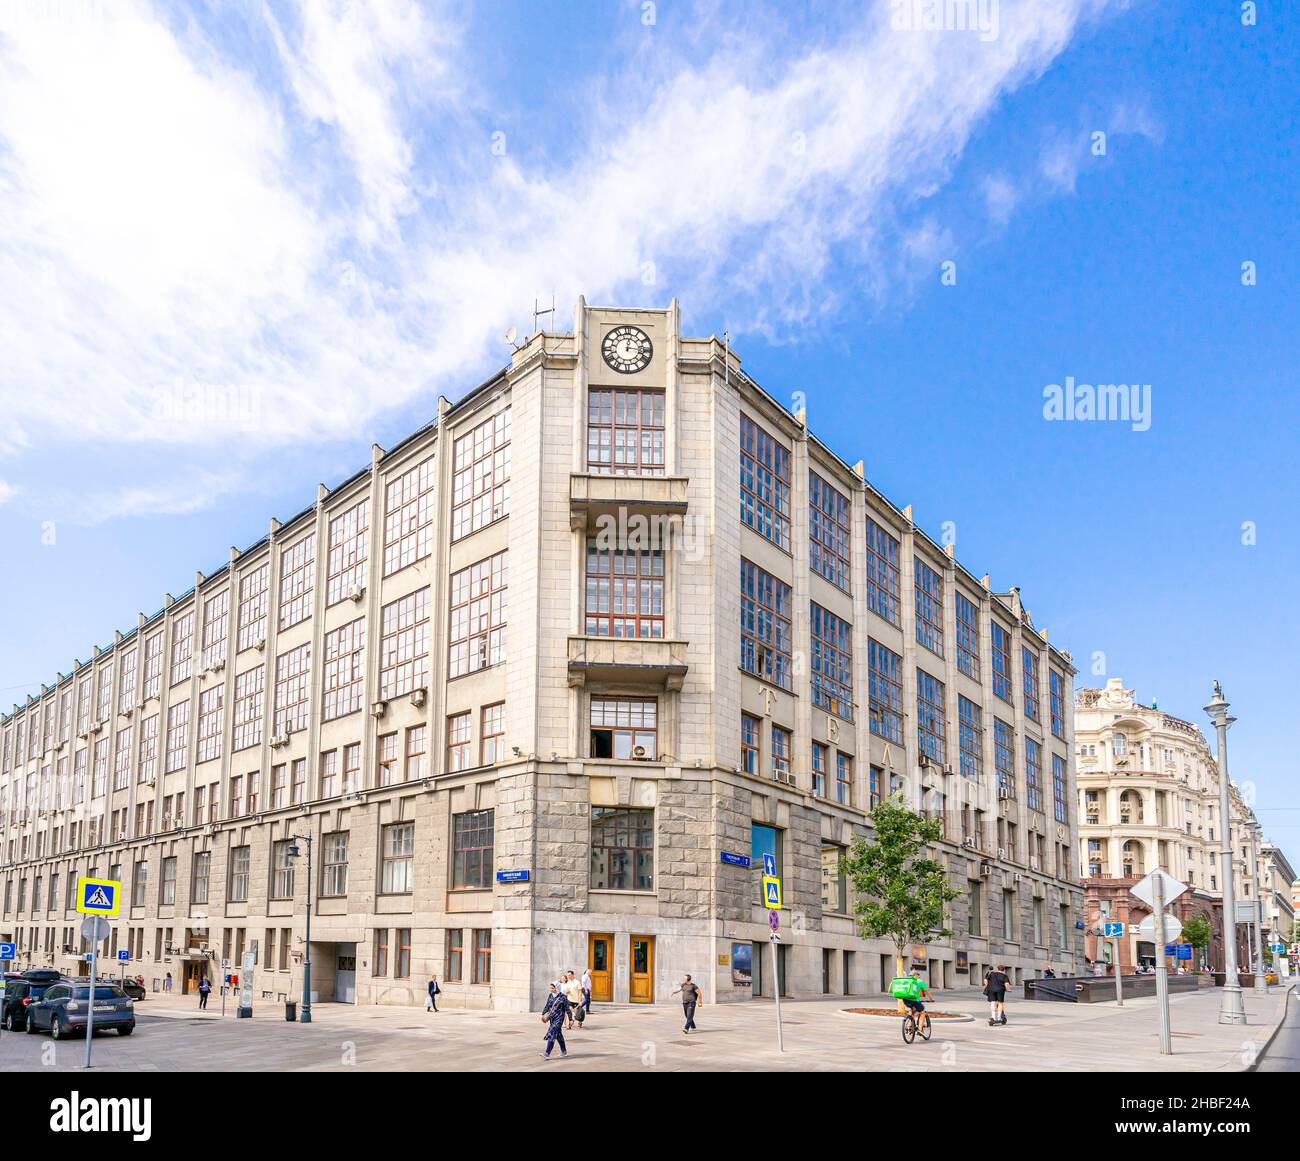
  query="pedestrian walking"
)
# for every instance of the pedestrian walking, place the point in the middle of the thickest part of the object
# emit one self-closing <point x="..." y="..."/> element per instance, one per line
<point x="205" y="986"/>
<point x="586" y="989"/>
<point x="431" y="1004"/>
<point x="167" y="982"/>
<point x="1049" y="974"/>
<point x="690" y="997"/>
<point x="553" y="1014"/>
<point x="573" y="995"/>
<point x="995" y="990"/>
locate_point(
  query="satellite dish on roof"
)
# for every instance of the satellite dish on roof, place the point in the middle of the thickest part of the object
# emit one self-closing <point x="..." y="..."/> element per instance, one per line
<point x="511" y="334"/>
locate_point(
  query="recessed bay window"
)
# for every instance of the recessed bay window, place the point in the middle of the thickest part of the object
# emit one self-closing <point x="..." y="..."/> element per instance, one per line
<point x="625" y="728"/>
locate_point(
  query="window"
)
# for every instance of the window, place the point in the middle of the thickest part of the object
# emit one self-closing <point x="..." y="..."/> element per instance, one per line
<point x="1004" y="758"/>
<point x="968" y="636"/>
<point x="103" y="704"/>
<point x="480" y="484"/>
<point x="216" y="617"/>
<point x="471" y="855"/>
<point x="624" y="728"/>
<point x="478" y="615"/>
<point x="398" y="871"/>
<point x="492" y="734"/>
<point x="178" y="733"/>
<point x="625" y="591"/>
<point x="381" y="951"/>
<point x="622" y="848"/>
<point x="1033" y="774"/>
<point x="349" y="546"/>
<point x="139" y="883"/>
<point x="828" y="532"/>
<point x="125" y="693"/>
<point x="1029" y="671"/>
<point x="402" y="965"/>
<point x="766" y="840"/>
<point x="329" y="774"/>
<point x="387" y="772"/>
<point x="236" y="794"/>
<point x="749" y="734"/>
<point x="404" y="646"/>
<point x="351" y="767"/>
<point x="832" y="663"/>
<point x="458" y="730"/>
<point x="931" y="720"/>
<point x="975" y="922"/>
<point x="780" y="752"/>
<point x="1060" y="784"/>
<point x="344" y="678"/>
<point x="297" y="781"/>
<point x="408" y="517"/>
<point x="152" y="667"/>
<point x="764" y="484"/>
<point x="85" y="691"/>
<point x="929" y="608"/>
<point x="885" y="692"/>
<point x="843" y="778"/>
<point x="1056" y="702"/>
<point x="1009" y="915"/>
<point x="121" y="765"/>
<point x="202" y="869"/>
<point x="167" y="888"/>
<point x="415" y="750"/>
<point x="625" y="432"/>
<point x="279" y="786"/>
<point x="819" y="759"/>
<point x="292" y="691"/>
<point x="281" y="870"/>
<point x="252" y="607"/>
<point x="182" y="648"/>
<point x="455" y="955"/>
<point x="250" y="690"/>
<point x="970" y="737"/>
<point x="482" y="957"/>
<point x="835" y="893"/>
<point x="1000" y="641"/>
<point x="334" y="864"/>
<point x="883" y="583"/>
<point x="210" y="705"/>
<point x="765" y="626"/>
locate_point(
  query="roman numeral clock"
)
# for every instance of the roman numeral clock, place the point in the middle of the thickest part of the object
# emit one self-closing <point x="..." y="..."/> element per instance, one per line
<point x="627" y="350"/>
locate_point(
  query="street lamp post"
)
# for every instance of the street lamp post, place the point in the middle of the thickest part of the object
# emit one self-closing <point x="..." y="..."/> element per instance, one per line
<point x="305" y="1018"/>
<point x="1232" y="1010"/>
<point x="1261" y="984"/>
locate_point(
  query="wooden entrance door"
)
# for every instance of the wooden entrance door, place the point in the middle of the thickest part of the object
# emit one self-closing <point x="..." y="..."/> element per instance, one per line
<point x="600" y="959"/>
<point x="641" y="986"/>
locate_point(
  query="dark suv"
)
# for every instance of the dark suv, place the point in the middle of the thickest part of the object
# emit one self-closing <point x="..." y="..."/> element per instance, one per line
<point x="21" y="992"/>
<point x="65" y="1008"/>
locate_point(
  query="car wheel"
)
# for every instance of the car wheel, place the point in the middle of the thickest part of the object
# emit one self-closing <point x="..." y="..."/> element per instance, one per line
<point x="56" y="1028"/>
<point x="30" y="1026"/>
<point x="126" y="1030"/>
<point x="10" y="1026"/>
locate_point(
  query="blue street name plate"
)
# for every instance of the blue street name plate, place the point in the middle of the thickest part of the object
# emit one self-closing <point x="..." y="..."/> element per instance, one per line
<point x="734" y="860"/>
<point x="513" y="876"/>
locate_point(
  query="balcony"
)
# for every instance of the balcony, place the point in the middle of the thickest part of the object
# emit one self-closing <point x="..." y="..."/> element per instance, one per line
<point x="627" y="660"/>
<point x="593" y="497"/>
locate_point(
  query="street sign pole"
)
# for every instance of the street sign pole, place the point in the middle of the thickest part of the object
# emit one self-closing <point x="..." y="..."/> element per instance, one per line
<point x="776" y="989"/>
<point x="1162" y="969"/>
<point x="1119" y="976"/>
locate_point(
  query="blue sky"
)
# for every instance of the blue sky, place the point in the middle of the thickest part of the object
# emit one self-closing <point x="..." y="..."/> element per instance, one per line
<point x="238" y="244"/>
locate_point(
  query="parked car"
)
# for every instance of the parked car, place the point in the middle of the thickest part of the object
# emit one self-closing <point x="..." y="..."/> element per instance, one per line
<point x="65" y="1008"/>
<point x="23" y="990"/>
<point x="133" y="989"/>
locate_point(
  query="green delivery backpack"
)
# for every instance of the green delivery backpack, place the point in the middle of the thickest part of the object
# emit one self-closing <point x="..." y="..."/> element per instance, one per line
<point x="905" y="988"/>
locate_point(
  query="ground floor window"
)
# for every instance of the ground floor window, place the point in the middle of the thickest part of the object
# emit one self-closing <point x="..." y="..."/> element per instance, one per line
<point x="622" y="848"/>
<point x="482" y="957"/>
<point x="455" y="954"/>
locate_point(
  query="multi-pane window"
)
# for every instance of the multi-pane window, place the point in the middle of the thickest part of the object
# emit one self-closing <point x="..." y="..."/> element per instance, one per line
<point x="415" y="752"/>
<point x="236" y="794"/>
<point x="167" y="884"/>
<point x="182" y="648"/>
<point x="1056" y="701"/>
<point x="1029" y="670"/>
<point x="334" y="864"/>
<point x="1000" y="652"/>
<point x="624" y="728"/>
<point x="820" y="755"/>
<point x="970" y="737"/>
<point x="125" y="690"/>
<point x="279" y="785"/>
<point x="622" y="848"/>
<point x="968" y="636"/>
<point x="65" y="699"/>
<point x="178" y="734"/>
<point x="843" y="778"/>
<point x="625" y="591"/>
<point x="482" y="957"/>
<point x="210" y="704"/>
<point x="199" y="877"/>
<point x="402" y="961"/>
<point x="930" y="716"/>
<point x="344" y="678"/>
<point x="1004" y="758"/>
<point x="455" y="954"/>
<point x="103" y="704"/>
<point x="765" y="637"/>
<point x="764" y="484"/>
<point x="408" y="517"/>
<point x="79" y="774"/>
<point x="239" y="859"/>
<point x="329" y="774"/>
<point x="492" y="734"/>
<point x="929" y="608"/>
<point x="152" y="667"/>
<point x="292" y="691"/>
<point x="85" y="694"/>
<point x="458" y="736"/>
<point x="349" y="546"/>
<point x="252" y="607"/>
<point x="471" y="849"/>
<point x="140" y="883"/>
<point x="122" y="759"/>
<point x="1033" y="774"/>
<point x="216" y="617"/>
<point x="297" y="572"/>
<point x="828" y="532"/>
<point x="281" y="870"/>
<point x="381" y="951"/>
<point x="480" y="485"/>
<point x="404" y="645"/>
<point x="885" y="692"/>
<point x="398" y="866"/>
<point x="883" y="583"/>
<point x="1060" y="788"/>
<point x="478" y="615"/>
<point x="250" y="688"/>
<point x="750" y="727"/>
<point x="387" y="773"/>
<point x="780" y="752"/>
<point x="832" y="663"/>
<point x="351" y="767"/>
<point x="625" y="432"/>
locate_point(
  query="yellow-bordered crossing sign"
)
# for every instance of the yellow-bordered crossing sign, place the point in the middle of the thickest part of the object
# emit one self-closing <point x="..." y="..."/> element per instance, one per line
<point x="772" y="892"/>
<point x="98" y="896"/>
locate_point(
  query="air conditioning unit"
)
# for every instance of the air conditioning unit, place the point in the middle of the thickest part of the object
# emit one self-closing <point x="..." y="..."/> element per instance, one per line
<point x="986" y="869"/>
<point x="121" y="836"/>
<point x="968" y="842"/>
<point x="279" y="740"/>
<point x="213" y="827"/>
<point x="126" y="713"/>
<point x="419" y="697"/>
<point x="1002" y="852"/>
<point x="98" y="727"/>
<point x="1035" y="865"/>
<point x="1004" y="792"/>
<point x="356" y="592"/>
<point x="639" y="753"/>
<point x="260" y="643"/>
<point x="152" y="780"/>
<point x="378" y="709"/>
<point x="84" y="735"/>
<point x="948" y="771"/>
<point x="218" y="666"/>
<point x="1016" y="877"/>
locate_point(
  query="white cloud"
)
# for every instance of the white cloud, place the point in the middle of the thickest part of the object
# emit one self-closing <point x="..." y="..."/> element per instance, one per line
<point x="7" y="492"/>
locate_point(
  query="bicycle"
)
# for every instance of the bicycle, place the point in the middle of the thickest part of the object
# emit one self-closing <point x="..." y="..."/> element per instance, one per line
<point x="911" y="1026"/>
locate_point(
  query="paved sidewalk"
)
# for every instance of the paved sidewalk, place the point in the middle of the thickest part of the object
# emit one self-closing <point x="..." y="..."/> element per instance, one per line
<point x="173" y="1035"/>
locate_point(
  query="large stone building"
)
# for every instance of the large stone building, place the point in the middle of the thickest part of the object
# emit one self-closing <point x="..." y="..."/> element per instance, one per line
<point x="544" y="682"/>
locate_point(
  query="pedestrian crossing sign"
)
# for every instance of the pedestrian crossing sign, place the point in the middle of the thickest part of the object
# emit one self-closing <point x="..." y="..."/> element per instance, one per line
<point x="98" y="896"/>
<point x="772" y="892"/>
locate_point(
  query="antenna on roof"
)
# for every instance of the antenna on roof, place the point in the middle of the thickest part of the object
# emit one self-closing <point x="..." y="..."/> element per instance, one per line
<point x="539" y="313"/>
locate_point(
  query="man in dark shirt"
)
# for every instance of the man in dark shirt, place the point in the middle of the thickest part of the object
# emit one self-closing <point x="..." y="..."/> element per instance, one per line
<point x="690" y="997"/>
<point x="995" y="988"/>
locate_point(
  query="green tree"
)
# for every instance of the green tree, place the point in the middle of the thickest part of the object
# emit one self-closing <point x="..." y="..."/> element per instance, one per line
<point x="1196" y="931"/>
<point x="901" y="890"/>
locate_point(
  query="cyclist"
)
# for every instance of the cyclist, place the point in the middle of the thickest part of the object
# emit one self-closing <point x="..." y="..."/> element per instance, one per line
<point x="917" y="1006"/>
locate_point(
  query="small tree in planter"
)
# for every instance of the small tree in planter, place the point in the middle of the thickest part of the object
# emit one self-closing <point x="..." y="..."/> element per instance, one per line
<point x="901" y="890"/>
<point x="1196" y="931"/>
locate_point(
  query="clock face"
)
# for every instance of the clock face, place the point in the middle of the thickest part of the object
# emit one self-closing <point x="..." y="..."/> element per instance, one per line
<point x="627" y="349"/>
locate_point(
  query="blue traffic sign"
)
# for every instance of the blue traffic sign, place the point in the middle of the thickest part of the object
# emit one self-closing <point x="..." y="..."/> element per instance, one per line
<point x="1184" y="951"/>
<point x="769" y="866"/>
<point x="1113" y="930"/>
<point x="123" y="955"/>
<point x="1275" y="948"/>
<point x="735" y="860"/>
<point x="1171" y="949"/>
<point x="8" y="950"/>
<point x="513" y="876"/>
